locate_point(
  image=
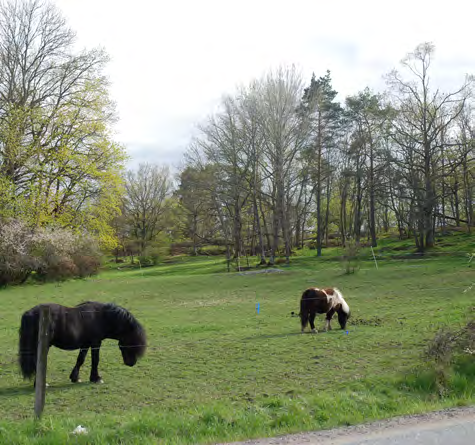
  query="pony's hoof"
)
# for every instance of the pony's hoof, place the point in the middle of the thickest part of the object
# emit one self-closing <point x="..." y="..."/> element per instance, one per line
<point x="314" y="331"/>
<point x="97" y="382"/>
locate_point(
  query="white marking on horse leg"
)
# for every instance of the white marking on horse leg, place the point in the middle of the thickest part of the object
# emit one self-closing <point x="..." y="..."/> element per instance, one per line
<point x="47" y="385"/>
<point x="327" y="325"/>
<point x="314" y="331"/>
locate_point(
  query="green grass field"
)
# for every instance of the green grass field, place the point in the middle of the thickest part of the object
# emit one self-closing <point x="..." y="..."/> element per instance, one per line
<point x="217" y="371"/>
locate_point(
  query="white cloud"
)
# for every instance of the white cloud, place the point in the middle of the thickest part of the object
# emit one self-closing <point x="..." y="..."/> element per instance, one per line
<point x="172" y="60"/>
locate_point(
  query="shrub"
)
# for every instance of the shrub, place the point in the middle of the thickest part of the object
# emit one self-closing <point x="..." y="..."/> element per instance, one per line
<point x="86" y="256"/>
<point x="446" y="345"/>
<point x="15" y="262"/>
<point x="48" y="253"/>
<point x="210" y="250"/>
<point x="51" y="249"/>
<point x="150" y="256"/>
<point x="350" y="260"/>
<point x="56" y="268"/>
<point x="281" y="261"/>
<point x="86" y="265"/>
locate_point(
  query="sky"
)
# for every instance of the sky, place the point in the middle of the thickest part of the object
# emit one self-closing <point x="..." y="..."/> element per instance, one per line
<point x="172" y="61"/>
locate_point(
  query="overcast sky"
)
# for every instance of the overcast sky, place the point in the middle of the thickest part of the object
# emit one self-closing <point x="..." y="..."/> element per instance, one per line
<point x="172" y="60"/>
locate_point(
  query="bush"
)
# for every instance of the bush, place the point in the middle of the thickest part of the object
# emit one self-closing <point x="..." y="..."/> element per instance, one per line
<point x="86" y="256"/>
<point x="210" y="250"/>
<point x="16" y="262"/>
<point x="445" y="347"/>
<point x="149" y="257"/>
<point x="56" y="268"/>
<point x="280" y="261"/>
<point x="86" y="265"/>
<point x="46" y="253"/>
<point x="350" y="260"/>
<point x="51" y="248"/>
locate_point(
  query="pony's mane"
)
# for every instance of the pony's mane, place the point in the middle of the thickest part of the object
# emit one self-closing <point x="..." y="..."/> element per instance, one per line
<point x="122" y="313"/>
<point x="124" y="316"/>
<point x="137" y="334"/>
<point x="344" y="304"/>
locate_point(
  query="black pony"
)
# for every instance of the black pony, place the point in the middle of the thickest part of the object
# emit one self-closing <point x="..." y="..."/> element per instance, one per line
<point x="82" y="327"/>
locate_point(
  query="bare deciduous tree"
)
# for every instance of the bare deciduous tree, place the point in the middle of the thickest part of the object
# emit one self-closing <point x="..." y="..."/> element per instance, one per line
<point x="423" y="117"/>
<point x="145" y="201"/>
<point x="283" y="135"/>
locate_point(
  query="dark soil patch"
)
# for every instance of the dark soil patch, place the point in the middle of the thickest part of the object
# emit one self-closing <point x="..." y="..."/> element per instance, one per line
<point x="374" y="321"/>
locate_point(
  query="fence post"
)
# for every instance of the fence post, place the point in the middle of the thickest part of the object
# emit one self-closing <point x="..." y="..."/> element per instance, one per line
<point x="41" y="363"/>
<point x="374" y="257"/>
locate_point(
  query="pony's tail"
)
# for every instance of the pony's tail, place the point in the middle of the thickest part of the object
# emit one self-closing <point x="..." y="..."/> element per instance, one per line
<point x="28" y="344"/>
<point x="303" y="313"/>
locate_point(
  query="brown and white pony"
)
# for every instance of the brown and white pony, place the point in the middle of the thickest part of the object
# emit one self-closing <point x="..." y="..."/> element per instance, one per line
<point x="323" y="301"/>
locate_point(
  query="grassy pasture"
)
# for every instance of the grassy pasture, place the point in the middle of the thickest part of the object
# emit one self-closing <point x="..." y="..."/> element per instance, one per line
<point x="217" y="371"/>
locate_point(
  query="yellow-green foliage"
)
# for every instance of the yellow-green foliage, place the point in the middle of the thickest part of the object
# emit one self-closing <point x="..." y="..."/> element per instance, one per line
<point x="71" y="170"/>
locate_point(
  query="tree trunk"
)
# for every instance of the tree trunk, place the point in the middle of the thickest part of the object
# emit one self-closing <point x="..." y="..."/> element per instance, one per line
<point x="298" y="230"/>
<point x="237" y="228"/>
<point x="372" y="219"/>
<point x="359" y="198"/>
<point x="195" y="230"/>
<point x="343" y="222"/>
<point x="468" y="193"/>
<point x="327" y="210"/>
<point x="257" y="221"/>
<point x="265" y="226"/>
<point x="275" y="229"/>
<point x="319" y="194"/>
<point x="456" y="203"/>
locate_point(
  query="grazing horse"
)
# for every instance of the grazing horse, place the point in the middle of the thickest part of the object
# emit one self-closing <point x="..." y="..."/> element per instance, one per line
<point x="82" y="327"/>
<point x="323" y="301"/>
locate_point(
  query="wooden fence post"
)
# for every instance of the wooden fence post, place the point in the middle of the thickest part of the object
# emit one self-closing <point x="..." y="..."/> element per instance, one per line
<point x="41" y="363"/>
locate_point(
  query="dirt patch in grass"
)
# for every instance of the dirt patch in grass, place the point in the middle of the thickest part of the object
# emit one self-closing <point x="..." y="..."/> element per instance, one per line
<point x="373" y="321"/>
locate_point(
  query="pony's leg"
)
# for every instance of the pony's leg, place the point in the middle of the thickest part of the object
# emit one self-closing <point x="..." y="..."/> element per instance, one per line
<point x="311" y="320"/>
<point x="328" y="320"/>
<point x="303" y="319"/>
<point x="95" y="377"/>
<point x="74" y="376"/>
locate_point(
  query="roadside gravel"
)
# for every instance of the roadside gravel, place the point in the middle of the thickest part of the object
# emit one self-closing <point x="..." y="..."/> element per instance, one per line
<point x="379" y="431"/>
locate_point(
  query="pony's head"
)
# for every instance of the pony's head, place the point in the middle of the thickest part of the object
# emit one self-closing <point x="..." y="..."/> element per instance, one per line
<point x="343" y="311"/>
<point x="133" y="347"/>
<point x="131" y="335"/>
<point x="343" y="318"/>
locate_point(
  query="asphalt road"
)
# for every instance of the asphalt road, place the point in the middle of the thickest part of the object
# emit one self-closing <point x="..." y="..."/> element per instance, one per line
<point x="459" y="432"/>
<point x="452" y="427"/>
